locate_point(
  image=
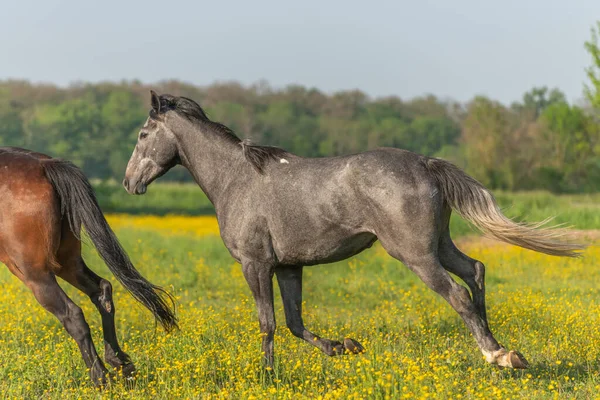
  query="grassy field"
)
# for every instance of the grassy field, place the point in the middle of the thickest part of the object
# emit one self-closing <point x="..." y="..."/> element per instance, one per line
<point x="417" y="346"/>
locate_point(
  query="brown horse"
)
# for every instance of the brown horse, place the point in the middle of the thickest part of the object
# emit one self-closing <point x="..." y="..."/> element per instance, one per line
<point x="44" y="204"/>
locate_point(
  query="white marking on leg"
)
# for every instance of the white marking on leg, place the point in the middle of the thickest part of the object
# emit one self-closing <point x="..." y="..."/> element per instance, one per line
<point x="499" y="357"/>
<point x="489" y="357"/>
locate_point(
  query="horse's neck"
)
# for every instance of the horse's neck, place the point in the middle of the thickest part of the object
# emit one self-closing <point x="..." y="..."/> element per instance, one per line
<point x="213" y="160"/>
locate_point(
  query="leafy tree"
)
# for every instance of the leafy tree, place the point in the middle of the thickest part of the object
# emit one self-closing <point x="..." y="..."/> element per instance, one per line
<point x="122" y="116"/>
<point x="433" y="133"/>
<point x="347" y="105"/>
<point x="390" y="132"/>
<point x="240" y="119"/>
<point x="541" y="142"/>
<point x="11" y="124"/>
<point x="343" y="136"/>
<point x="67" y="130"/>
<point x="484" y="133"/>
<point x="572" y="140"/>
<point x="539" y="98"/>
<point x="592" y="91"/>
<point x="428" y="105"/>
<point x="284" y="124"/>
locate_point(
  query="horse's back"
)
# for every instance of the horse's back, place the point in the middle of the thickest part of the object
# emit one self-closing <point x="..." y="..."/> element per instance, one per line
<point x="385" y="161"/>
<point x="22" y="176"/>
<point x="359" y="178"/>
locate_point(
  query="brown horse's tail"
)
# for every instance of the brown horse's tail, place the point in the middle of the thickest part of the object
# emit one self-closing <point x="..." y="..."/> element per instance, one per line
<point x="477" y="205"/>
<point x="79" y="205"/>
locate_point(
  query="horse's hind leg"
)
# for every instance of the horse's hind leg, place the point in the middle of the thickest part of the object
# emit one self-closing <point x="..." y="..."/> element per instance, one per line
<point x="99" y="290"/>
<point x="50" y="295"/>
<point x="471" y="271"/>
<point x="428" y="267"/>
<point x="290" y="285"/>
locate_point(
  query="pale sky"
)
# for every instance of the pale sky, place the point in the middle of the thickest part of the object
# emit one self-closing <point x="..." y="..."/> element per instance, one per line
<point x="451" y="48"/>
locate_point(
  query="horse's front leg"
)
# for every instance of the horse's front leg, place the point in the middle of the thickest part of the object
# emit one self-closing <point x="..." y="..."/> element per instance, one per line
<point x="259" y="276"/>
<point x="290" y="285"/>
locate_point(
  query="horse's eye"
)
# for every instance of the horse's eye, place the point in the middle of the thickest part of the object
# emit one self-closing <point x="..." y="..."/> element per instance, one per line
<point x="143" y="135"/>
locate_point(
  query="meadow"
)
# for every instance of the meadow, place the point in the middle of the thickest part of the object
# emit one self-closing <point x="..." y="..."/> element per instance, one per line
<point x="416" y="345"/>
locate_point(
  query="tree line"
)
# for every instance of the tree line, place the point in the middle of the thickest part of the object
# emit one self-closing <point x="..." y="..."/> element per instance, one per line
<point x="538" y="142"/>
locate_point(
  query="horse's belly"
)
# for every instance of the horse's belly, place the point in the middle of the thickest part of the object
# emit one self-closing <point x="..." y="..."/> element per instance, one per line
<point x="322" y="249"/>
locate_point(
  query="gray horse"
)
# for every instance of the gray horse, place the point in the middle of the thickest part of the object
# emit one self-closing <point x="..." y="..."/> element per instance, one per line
<point x="278" y="212"/>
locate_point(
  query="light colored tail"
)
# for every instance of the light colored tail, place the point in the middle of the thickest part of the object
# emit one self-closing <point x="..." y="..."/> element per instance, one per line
<point x="477" y="205"/>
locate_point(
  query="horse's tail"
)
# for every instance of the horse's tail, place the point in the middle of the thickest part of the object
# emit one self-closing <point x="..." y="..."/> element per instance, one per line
<point x="477" y="205"/>
<point x="79" y="205"/>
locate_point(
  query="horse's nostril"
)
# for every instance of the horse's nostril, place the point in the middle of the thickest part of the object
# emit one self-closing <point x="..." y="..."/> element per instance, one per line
<point x="126" y="183"/>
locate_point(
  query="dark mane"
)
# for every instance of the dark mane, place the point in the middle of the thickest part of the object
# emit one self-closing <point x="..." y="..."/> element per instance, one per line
<point x="192" y="111"/>
<point x="258" y="156"/>
<point x="183" y="106"/>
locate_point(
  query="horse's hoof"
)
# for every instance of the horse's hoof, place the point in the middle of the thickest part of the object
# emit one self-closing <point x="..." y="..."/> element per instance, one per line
<point x="337" y="349"/>
<point x="128" y="371"/>
<point x="509" y="359"/>
<point x="517" y="360"/>
<point x="353" y="347"/>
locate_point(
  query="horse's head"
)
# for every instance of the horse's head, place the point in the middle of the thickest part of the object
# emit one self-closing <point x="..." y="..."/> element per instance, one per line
<point x="156" y="149"/>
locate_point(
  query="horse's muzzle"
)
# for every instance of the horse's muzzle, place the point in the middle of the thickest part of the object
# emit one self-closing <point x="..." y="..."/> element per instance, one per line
<point x="139" y="188"/>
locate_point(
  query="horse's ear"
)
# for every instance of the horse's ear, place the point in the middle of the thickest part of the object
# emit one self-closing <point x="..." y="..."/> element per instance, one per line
<point x="155" y="101"/>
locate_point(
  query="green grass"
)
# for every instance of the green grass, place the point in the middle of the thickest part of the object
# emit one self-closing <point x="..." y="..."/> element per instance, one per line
<point x="417" y="346"/>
